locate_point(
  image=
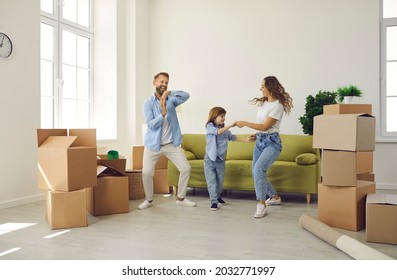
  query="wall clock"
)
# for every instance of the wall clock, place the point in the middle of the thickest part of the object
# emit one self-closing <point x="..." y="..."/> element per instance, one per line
<point x="5" y="46"/>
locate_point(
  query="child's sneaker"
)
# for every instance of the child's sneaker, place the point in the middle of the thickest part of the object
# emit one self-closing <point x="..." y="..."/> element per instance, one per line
<point x="273" y="201"/>
<point x="260" y="211"/>
<point x="214" y="207"/>
<point x="220" y="200"/>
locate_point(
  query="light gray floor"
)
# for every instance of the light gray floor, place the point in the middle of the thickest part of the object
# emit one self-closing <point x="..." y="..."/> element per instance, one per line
<point x="168" y="231"/>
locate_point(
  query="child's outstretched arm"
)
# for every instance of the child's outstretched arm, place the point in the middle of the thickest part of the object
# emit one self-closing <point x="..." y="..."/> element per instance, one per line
<point x="225" y="128"/>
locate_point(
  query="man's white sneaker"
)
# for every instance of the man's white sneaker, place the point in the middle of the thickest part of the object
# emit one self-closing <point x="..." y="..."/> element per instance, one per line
<point x="185" y="202"/>
<point x="273" y="201"/>
<point x="260" y="211"/>
<point x="145" y="204"/>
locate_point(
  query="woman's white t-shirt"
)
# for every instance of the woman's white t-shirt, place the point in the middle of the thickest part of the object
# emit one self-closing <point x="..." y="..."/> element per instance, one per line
<point x="274" y="110"/>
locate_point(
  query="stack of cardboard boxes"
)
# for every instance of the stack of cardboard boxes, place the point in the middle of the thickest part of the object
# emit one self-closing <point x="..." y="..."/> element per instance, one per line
<point x="159" y="178"/>
<point x="66" y="167"/>
<point x="346" y="135"/>
<point x="67" y="170"/>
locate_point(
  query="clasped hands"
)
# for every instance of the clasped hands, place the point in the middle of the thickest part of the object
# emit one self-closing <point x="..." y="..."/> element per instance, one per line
<point x="241" y="124"/>
<point x="162" y="102"/>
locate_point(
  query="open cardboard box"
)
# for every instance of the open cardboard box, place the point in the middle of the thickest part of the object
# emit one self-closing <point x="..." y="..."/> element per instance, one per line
<point x="66" y="159"/>
<point x="111" y="194"/>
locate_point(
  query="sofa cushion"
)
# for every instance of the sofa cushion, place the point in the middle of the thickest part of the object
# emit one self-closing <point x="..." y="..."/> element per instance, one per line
<point x="306" y="159"/>
<point x="295" y="145"/>
<point x="189" y="155"/>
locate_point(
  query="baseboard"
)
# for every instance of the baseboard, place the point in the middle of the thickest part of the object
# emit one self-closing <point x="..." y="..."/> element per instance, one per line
<point x="386" y="186"/>
<point x="22" y="201"/>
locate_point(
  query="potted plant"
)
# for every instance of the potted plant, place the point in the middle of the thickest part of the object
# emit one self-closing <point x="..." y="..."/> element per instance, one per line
<point x="313" y="107"/>
<point x="346" y="94"/>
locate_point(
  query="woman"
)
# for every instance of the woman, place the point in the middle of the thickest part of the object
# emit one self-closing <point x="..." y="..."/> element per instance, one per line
<point x="275" y="101"/>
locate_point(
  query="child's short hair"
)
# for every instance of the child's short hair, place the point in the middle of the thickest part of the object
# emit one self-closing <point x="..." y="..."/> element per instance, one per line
<point x="214" y="113"/>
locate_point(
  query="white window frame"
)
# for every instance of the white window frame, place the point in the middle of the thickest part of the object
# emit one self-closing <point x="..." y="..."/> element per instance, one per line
<point x="59" y="25"/>
<point x="385" y="136"/>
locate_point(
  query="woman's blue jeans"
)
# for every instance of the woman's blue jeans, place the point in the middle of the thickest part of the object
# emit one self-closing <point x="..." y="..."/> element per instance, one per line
<point x="267" y="149"/>
<point x="214" y="174"/>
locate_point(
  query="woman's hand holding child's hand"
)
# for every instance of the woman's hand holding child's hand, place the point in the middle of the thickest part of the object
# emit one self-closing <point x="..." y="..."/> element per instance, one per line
<point x="240" y="124"/>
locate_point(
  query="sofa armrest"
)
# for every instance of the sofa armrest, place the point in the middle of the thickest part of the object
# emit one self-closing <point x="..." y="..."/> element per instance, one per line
<point x="306" y="159"/>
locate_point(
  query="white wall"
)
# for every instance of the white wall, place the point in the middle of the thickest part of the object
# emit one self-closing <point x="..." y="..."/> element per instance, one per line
<point x="20" y="104"/>
<point x="218" y="50"/>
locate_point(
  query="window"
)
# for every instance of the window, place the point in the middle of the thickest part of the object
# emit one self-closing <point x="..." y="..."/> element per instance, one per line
<point x="389" y="69"/>
<point x="66" y="63"/>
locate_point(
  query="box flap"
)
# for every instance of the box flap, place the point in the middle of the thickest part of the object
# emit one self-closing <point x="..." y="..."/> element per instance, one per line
<point x="391" y="199"/>
<point x="103" y="171"/>
<point x="354" y="116"/>
<point x="376" y="198"/>
<point x="380" y="198"/>
<point x="43" y="134"/>
<point x="100" y="169"/>
<point x="58" y="142"/>
<point x="119" y="165"/>
<point x="364" y="115"/>
<point x="85" y="137"/>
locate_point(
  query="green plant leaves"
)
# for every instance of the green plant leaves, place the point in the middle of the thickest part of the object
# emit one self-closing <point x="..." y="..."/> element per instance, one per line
<point x="348" y="91"/>
<point x="313" y="107"/>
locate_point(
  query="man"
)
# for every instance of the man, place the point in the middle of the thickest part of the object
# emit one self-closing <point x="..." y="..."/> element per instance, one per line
<point x="163" y="137"/>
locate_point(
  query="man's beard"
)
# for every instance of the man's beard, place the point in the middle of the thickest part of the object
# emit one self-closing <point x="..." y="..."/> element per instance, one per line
<point x="160" y="90"/>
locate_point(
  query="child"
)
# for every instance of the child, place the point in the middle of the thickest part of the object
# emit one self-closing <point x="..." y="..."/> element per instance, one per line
<point x="214" y="160"/>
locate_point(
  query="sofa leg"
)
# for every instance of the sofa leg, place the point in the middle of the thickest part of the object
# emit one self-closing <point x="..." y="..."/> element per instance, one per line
<point x="308" y="196"/>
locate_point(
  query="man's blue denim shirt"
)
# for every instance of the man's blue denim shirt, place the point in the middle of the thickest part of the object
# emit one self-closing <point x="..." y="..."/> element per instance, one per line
<point x="154" y="119"/>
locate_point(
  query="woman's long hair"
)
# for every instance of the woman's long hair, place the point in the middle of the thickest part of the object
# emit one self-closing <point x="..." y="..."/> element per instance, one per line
<point x="277" y="91"/>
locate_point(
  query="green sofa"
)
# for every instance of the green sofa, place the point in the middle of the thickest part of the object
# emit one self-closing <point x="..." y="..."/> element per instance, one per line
<point x="297" y="170"/>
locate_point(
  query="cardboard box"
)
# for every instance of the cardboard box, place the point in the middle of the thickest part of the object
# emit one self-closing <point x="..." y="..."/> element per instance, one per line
<point x="340" y="168"/>
<point x="344" y="207"/>
<point x="160" y="182"/>
<point x="137" y="159"/>
<point x="347" y="109"/>
<point x="110" y="196"/>
<point x="347" y="132"/>
<point x="66" y="161"/>
<point x="381" y="218"/>
<point x="66" y="209"/>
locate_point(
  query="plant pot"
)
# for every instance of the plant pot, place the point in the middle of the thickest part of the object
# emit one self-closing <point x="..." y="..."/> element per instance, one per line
<point x="348" y="99"/>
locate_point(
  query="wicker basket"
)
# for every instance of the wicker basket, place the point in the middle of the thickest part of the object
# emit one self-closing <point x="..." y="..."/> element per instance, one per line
<point x="135" y="185"/>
